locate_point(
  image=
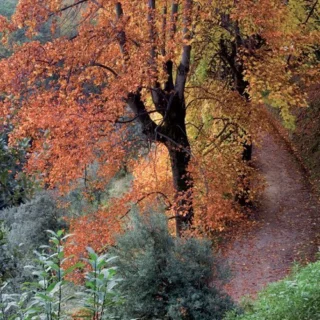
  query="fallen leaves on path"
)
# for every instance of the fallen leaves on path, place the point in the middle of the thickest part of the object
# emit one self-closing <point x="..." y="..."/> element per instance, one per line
<point x="285" y="228"/>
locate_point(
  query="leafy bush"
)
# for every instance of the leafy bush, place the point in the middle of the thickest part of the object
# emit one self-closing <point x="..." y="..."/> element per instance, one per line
<point x="15" y="186"/>
<point x="26" y="227"/>
<point x="28" y="222"/>
<point x="7" y="7"/>
<point x="49" y="282"/>
<point x="47" y="296"/>
<point x="297" y="297"/>
<point x="6" y="262"/>
<point x="166" y="277"/>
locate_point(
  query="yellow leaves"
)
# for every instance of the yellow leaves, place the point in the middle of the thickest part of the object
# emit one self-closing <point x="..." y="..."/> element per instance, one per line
<point x="71" y="100"/>
<point x="273" y="85"/>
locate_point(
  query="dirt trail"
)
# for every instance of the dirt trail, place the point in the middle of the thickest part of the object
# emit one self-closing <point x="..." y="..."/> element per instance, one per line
<point x="287" y="224"/>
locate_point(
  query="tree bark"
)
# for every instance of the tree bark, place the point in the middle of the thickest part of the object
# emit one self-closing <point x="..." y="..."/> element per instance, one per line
<point x="173" y="134"/>
<point x="180" y="154"/>
<point x="169" y="101"/>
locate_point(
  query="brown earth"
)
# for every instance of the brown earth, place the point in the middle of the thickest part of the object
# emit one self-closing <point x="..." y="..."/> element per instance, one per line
<point x="286" y="223"/>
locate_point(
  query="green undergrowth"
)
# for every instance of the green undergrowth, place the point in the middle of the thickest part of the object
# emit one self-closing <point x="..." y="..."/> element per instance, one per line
<point x="297" y="297"/>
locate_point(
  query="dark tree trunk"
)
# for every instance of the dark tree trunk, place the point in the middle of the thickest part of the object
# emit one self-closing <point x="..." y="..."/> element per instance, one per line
<point x="182" y="183"/>
<point x="180" y="154"/>
<point x="169" y="101"/>
<point x="242" y="197"/>
<point x="173" y="134"/>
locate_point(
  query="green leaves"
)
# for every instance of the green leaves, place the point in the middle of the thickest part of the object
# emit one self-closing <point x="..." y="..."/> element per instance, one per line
<point x="47" y="296"/>
<point x="51" y="281"/>
<point x="15" y="186"/>
<point x="296" y="297"/>
<point x="100" y="297"/>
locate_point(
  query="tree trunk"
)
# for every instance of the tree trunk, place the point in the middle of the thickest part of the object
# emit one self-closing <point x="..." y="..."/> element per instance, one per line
<point x="183" y="184"/>
<point x="179" y="150"/>
<point x="173" y="134"/>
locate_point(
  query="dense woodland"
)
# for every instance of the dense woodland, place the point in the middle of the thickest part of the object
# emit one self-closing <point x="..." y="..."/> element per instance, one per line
<point x="128" y="154"/>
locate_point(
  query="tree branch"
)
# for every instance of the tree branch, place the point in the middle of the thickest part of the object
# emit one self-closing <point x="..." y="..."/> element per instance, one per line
<point x="164" y="29"/>
<point x="179" y="146"/>
<point x="121" y="36"/>
<point x="69" y="6"/>
<point x="135" y="118"/>
<point x="184" y="66"/>
<point x="156" y="91"/>
<point x="148" y="195"/>
<point x="174" y="13"/>
<point x="152" y="31"/>
<point x="96" y="64"/>
<point x="311" y="11"/>
<point x="148" y="125"/>
<point x="169" y="85"/>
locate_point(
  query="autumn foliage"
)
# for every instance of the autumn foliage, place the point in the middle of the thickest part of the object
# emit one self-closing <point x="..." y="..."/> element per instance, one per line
<point x="190" y="76"/>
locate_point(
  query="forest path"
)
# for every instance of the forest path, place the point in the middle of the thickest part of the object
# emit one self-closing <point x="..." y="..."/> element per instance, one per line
<point x="286" y="223"/>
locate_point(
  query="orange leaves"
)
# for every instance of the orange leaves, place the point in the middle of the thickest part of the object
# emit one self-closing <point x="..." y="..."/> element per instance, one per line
<point x="154" y="171"/>
<point x="5" y="27"/>
<point x="94" y="230"/>
<point x="213" y="191"/>
<point x="70" y="94"/>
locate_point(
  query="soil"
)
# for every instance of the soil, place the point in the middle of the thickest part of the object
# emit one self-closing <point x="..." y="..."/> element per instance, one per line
<point x="285" y="228"/>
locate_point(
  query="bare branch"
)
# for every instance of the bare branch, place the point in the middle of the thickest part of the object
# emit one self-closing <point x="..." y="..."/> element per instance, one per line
<point x="70" y="6"/>
<point x="184" y="66"/>
<point x="311" y="11"/>
<point x="96" y="64"/>
<point x="148" y="195"/>
<point x="135" y="118"/>
<point x="179" y="146"/>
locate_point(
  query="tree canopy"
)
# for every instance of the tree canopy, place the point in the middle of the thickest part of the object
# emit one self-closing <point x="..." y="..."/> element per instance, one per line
<point x="190" y="75"/>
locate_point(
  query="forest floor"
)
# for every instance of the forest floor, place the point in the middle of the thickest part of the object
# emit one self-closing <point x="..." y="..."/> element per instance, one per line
<point x="285" y="225"/>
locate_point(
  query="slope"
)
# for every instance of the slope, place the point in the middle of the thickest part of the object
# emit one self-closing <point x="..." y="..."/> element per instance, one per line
<point x="285" y="228"/>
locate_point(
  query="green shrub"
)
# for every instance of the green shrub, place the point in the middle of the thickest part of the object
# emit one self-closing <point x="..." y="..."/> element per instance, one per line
<point x="166" y="277"/>
<point x="7" y="266"/>
<point x="15" y="186"/>
<point x="47" y="296"/>
<point x="28" y="222"/>
<point x="7" y="7"/>
<point x="26" y="227"/>
<point x="297" y="297"/>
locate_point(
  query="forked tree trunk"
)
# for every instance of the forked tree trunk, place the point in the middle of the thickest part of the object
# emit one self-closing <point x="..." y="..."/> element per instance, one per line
<point x="173" y="134"/>
<point x="169" y="101"/>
